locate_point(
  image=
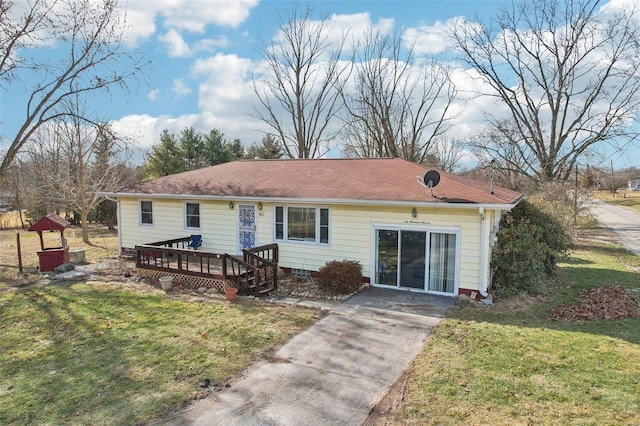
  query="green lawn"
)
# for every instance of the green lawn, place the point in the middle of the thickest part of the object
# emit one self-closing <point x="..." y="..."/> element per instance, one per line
<point x="512" y="365"/>
<point x="106" y="354"/>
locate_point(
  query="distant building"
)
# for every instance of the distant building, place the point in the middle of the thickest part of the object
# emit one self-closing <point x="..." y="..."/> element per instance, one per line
<point x="634" y="185"/>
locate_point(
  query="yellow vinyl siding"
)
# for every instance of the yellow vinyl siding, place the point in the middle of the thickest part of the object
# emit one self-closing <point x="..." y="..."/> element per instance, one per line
<point x="350" y="232"/>
<point x="217" y="224"/>
<point x="351" y="237"/>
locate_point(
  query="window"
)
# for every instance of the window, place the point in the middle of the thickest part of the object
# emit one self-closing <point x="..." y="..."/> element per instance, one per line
<point x="192" y="215"/>
<point x="304" y="224"/>
<point x="146" y="212"/>
<point x="279" y="223"/>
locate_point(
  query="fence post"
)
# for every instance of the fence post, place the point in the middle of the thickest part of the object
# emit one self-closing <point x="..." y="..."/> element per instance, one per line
<point x="19" y="252"/>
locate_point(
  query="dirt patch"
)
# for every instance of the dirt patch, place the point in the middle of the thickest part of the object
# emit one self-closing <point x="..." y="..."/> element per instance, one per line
<point x="600" y="303"/>
<point x="306" y="288"/>
<point x="381" y="413"/>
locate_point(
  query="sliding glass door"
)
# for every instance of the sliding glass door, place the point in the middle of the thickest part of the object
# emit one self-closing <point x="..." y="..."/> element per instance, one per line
<point x="442" y="262"/>
<point x="412" y="256"/>
<point x="421" y="259"/>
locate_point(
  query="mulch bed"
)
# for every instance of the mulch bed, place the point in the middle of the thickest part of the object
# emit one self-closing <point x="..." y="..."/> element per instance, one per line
<point x="600" y="303"/>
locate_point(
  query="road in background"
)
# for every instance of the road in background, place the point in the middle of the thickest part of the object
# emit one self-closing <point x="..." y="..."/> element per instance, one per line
<point x="624" y="222"/>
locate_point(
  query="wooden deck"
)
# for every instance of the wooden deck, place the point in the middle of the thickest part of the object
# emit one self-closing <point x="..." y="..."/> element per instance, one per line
<point x="254" y="272"/>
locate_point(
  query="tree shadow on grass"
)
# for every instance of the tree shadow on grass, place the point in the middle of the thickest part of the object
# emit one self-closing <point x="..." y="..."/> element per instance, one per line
<point x="81" y="363"/>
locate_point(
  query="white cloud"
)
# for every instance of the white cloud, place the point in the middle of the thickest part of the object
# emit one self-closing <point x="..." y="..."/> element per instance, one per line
<point x="178" y="48"/>
<point x="179" y="15"/>
<point x="210" y="44"/>
<point x="616" y="6"/>
<point x="429" y="39"/>
<point x="143" y="130"/>
<point x="153" y="95"/>
<point x="226" y="85"/>
<point x="179" y="88"/>
<point x="356" y="27"/>
<point x="195" y="17"/>
<point x="347" y="29"/>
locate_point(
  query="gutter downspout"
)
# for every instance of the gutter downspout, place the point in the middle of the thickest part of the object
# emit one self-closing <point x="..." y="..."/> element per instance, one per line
<point x="118" y="214"/>
<point x="483" y="254"/>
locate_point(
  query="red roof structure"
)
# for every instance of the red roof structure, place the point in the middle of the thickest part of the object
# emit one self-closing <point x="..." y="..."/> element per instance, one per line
<point x="362" y="180"/>
<point x="51" y="222"/>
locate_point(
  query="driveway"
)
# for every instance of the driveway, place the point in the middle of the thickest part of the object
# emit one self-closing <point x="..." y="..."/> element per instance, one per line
<point x="624" y="222"/>
<point x="333" y="373"/>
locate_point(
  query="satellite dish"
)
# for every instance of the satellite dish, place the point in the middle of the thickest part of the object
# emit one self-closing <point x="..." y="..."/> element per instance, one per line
<point x="431" y="178"/>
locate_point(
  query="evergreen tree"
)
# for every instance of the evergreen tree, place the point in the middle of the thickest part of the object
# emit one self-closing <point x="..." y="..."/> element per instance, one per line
<point x="165" y="158"/>
<point x="192" y="148"/>
<point x="266" y="150"/>
<point x="215" y="150"/>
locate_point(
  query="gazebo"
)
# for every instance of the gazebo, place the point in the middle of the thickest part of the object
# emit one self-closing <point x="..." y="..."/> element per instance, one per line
<point x="53" y="256"/>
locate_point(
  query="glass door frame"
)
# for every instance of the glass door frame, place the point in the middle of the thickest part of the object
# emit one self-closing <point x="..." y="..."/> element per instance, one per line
<point x="429" y="229"/>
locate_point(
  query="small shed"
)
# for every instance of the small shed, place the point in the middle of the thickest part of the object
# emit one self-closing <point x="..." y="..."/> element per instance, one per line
<point x="52" y="256"/>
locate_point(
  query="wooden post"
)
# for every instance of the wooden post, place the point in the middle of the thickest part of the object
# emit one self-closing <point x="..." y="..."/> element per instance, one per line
<point x="19" y="251"/>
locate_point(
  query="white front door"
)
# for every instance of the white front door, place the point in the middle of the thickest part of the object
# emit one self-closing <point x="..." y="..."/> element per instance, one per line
<point x="246" y="226"/>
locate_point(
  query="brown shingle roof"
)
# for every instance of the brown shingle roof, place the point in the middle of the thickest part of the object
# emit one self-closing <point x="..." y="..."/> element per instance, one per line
<point x="364" y="179"/>
<point x="51" y="222"/>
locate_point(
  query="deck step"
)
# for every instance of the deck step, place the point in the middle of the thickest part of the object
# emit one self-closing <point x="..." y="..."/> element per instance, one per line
<point x="264" y="288"/>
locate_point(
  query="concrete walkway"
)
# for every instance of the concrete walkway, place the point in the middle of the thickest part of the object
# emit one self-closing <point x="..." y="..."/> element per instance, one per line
<point x="333" y="373"/>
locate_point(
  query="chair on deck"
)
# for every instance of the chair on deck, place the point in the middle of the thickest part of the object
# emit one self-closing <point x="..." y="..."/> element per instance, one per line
<point x="196" y="242"/>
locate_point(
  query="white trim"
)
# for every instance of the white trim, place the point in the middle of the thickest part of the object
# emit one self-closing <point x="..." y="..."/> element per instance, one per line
<point x="428" y="229"/>
<point x="482" y="285"/>
<point x="318" y="201"/>
<point x="140" y="200"/>
<point x="184" y="215"/>
<point x="285" y="218"/>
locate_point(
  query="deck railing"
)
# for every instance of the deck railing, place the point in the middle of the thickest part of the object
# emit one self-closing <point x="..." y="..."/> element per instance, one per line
<point x="253" y="274"/>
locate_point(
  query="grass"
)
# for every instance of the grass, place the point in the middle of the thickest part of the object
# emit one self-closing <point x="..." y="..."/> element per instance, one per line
<point x="512" y="365"/>
<point x="102" y="354"/>
<point x="623" y="198"/>
<point x="116" y="353"/>
<point x="103" y="243"/>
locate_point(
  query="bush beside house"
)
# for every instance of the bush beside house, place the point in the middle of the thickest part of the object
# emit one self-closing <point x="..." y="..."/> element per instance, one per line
<point x="530" y="242"/>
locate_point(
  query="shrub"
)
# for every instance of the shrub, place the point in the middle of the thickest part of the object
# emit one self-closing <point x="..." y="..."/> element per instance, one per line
<point x="340" y="277"/>
<point x="530" y="242"/>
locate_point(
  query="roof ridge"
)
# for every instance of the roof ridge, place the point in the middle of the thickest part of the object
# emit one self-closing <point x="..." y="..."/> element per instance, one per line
<point x="320" y="159"/>
<point x="460" y="179"/>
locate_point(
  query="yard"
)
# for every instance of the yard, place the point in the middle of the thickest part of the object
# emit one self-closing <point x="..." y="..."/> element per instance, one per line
<point x="119" y="352"/>
<point x="514" y="365"/>
<point x="622" y="198"/>
<point x="125" y="352"/>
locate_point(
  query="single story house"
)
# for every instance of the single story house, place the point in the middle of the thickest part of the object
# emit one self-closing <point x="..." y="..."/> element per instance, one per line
<point x="377" y="211"/>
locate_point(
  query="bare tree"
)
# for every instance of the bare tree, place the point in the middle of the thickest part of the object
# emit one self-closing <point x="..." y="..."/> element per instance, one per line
<point x="77" y="162"/>
<point x="500" y="147"/>
<point x="401" y="103"/>
<point x="298" y="96"/>
<point x="95" y="60"/>
<point x="567" y="74"/>
<point x="20" y="31"/>
<point x="16" y="189"/>
<point x="449" y="153"/>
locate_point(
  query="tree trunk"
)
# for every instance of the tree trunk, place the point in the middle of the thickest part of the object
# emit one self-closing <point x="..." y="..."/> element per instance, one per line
<point x="84" y="223"/>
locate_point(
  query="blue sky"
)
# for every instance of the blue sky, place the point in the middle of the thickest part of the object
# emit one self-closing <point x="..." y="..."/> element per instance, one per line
<point x="204" y="53"/>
